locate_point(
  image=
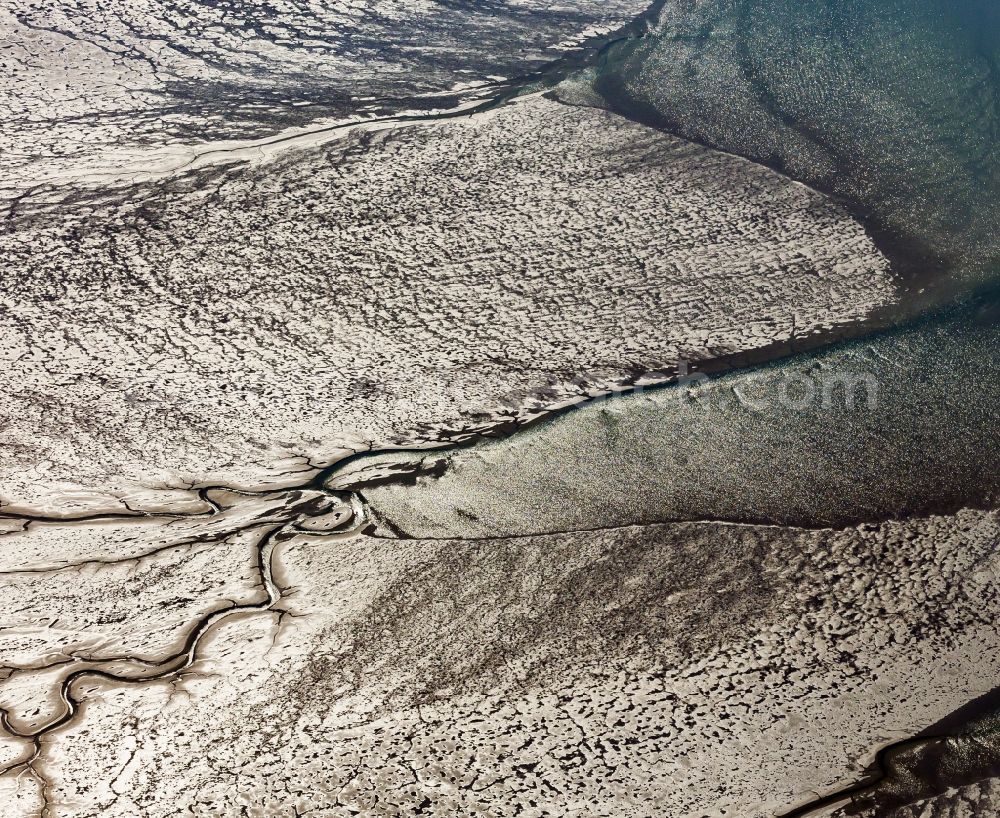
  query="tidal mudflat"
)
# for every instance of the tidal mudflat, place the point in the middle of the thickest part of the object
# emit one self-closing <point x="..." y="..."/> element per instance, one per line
<point x="499" y="409"/>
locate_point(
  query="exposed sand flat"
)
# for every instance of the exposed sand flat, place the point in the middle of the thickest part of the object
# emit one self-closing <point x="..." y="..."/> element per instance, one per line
<point x="634" y="671"/>
<point x="85" y="79"/>
<point x="307" y="506"/>
<point x="231" y="323"/>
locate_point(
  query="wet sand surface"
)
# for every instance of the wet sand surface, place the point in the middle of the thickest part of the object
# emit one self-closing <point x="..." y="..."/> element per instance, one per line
<point x="235" y="324"/>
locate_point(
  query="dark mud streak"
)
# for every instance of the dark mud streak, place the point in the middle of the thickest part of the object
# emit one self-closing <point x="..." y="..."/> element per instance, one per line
<point x="399" y="534"/>
<point x="861" y="795"/>
<point x="864" y="794"/>
<point x="137" y="558"/>
<point x="29" y="520"/>
<point x="173" y="665"/>
<point x="489" y="97"/>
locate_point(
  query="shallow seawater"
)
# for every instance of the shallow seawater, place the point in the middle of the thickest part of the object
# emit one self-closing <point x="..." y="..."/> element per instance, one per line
<point x="893" y="105"/>
<point x="892" y="426"/>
